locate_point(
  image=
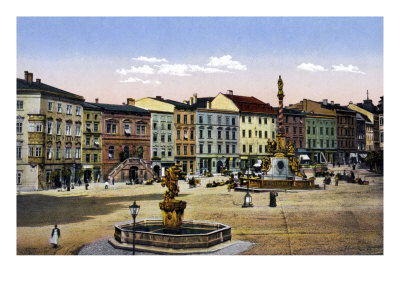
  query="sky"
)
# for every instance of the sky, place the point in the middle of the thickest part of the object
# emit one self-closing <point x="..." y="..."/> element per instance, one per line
<point x="114" y="58"/>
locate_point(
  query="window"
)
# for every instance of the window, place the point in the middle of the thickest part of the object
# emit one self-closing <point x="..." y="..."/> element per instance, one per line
<point x="58" y="152"/>
<point x="209" y="148"/>
<point x="78" y="111"/>
<point x="313" y="130"/>
<point x="200" y="119"/>
<point x="327" y="131"/>
<point x="266" y="148"/>
<point x="78" y="129"/>
<point x="169" y="152"/>
<point x="169" y="126"/>
<point x="113" y="128"/>
<point x="273" y="120"/>
<point x="178" y="134"/>
<point x="162" y="152"/>
<point x="219" y="134"/>
<point x="68" y="152"/>
<point x="30" y="150"/>
<point x="381" y="137"/>
<point x="20" y="104"/>
<point x="308" y="143"/>
<point x="111" y="152"/>
<point x="321" y="143"/>
<point x="19" y="178"/>
<point x="178" y="118"/>
<point x="308" y="130"/>
<point x="38" y="127"/>
<point x="163" y="138"/>
<point x="333" y="143"/>
<point x="209" y="119"/>
<point x="327" y="143"/>
<point x="87" y="157"/>
<point x="184" y="119"/>
<point x="201" y="133"/>
<point x="127" y="128"/>
<point x="154" y="125"/>
<point x="138" y="129"/>
<point x="243" y="119"/>
<point x="321" y="130"/>
<point x="381" y="121"/>
<point x="38" y="151"/>
<point x="201" y="148"/>
<point x="169" y="138"/>
<point x="49" y="126"/>
<point x="155" y="152"/>
<point x="233" y="135"/>
<point x="301" y="144"/>
<point x="50" y="106"/>
<point x="227" y="148"/>
<point x="273" y="134"/>
<point x="69" y="109"/>
<point x="94" y="157"/>
<point x="191" y="149"/>
<point x="58" y="127"/>
<point x="219" y="120"/>
<point x="209" y="134"/>
<point x="87" y="142"/>
<point x="295" y="130"/>
<point x="19" y="152"/>
<point x="108" y="125"/>
<point x="154" y="137"/>
<point x="265" y="120"/>
<point x="185" y="136"/>
<point x="250" y="148"/>
<point x="68" y="129"/>
<point x="249" y="120"/>
<point x="331" y="131"/>
<point x="260" y="134"/>
<point x="143" y="130"/>
<point x="191" y="135"/>
<point x="260" y="148"/>
<point x="19" y="127"/>
<point x="259" y="120"/>
<point x="185" y="150"/>
<point x="59" y="107"/>
<point x="227" y="120"/>
<point x="227" y="134"/>
<point x="233" y="121"/>
<point x="219" y="149"/>
<point x="233" y="148"/>
<point x="314" y="143"/>
<point x="96" y="127"/>
<point x="249" y="133"/>
<point x="178" y="150"/>
<point x="191" y="119"/>
<point x="87" y="116"/>
<point x="300" y="130"/>
<point x="244" y="148"/>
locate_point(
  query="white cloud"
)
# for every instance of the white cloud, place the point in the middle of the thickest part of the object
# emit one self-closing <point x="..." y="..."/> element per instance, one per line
<point x="137" y="70"/>
<point x="135" y="79"/>
<point x="226" y="61"/>
<point x="311" y="67"/>
<point x="185" y="69"/>
<point x="150" y="59"/>
<point x="349" y="68"/>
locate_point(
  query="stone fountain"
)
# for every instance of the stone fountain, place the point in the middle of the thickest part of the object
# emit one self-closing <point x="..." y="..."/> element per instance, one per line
<point x="172" y="234"/>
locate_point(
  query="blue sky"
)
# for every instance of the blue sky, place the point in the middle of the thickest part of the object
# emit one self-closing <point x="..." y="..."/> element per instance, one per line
<point x="334" y="58"/>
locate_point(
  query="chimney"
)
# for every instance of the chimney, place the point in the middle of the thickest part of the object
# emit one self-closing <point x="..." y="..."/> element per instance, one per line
<point x="208" y="104"/>
<point x="229" y="92"/>
<point x="158" y="97"/>
<point x="350" y="102"/>
<point x="38" y="80"/>
<point x="191" y="101"/>
<point x="325" y="101"/>
<point x="28" y="77"/>
<point x="194" y="97"/>
<point x="131" y="101"/>
<point x="332" y="102"/>
<point x="96" y="100"/>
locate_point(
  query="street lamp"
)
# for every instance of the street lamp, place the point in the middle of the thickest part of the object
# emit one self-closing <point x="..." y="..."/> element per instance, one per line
<point x="134" y="212"/>
<point x="247" y="197"/>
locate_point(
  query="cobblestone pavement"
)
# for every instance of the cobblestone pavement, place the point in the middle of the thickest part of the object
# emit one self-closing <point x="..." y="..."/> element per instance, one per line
<point x="102" y="247"/>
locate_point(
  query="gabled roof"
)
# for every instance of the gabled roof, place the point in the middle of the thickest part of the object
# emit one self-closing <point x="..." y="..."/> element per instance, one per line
<point x="122" y="108"/>
<point x="250" y="104"/>
<point x="89" y="105"/>
<point x="24" y="86"/>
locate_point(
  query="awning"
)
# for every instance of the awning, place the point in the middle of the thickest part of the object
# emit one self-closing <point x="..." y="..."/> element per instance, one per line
<point x="304" y="157"/>
<point x="258" y="163"/>
<point x="362" y="155"/>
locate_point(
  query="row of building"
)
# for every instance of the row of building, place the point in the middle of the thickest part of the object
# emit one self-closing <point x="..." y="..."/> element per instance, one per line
<point x="60" y="133"/>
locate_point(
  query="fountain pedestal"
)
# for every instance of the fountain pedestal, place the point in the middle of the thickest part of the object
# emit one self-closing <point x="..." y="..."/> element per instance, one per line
<point x="172" y="213"/>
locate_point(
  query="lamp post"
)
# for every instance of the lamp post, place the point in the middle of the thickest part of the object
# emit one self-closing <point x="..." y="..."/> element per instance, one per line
<point x="134" y="212"/>
<point x="247" y="197"/>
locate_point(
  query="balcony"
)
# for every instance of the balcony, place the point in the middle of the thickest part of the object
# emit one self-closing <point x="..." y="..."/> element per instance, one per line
<point x="33" y="160"/>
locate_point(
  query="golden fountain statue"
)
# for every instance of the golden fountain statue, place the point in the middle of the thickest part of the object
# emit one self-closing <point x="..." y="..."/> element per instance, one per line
<point x="172" y="209"/>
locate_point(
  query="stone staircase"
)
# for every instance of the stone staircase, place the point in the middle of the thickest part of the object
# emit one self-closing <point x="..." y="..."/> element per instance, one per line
<point x="125" y="166"/>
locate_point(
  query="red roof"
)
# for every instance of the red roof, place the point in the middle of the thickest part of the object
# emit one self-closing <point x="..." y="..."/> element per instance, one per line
<point x="251" y="104"/>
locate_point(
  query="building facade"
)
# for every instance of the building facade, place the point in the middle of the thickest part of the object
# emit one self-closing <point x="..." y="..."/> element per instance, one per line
<point x="49" y="130"/>
<point x="257" y="124"/>
<point x="162" y="132"/>
<point x="92" y="142"/>
<point x="361" y="121"/>
<point x="217" y="137"/>
<point x="125" y="136"/>
<point x="321" y="131"/>
<point x="295" y="129"/>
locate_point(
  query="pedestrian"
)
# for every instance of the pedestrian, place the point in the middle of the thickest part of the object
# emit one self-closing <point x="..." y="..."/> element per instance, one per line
<point x="86" y="184"/>
<point x="113" y="181"/>
<point x="106" y="185"/>
<point x="337" y="179"/>
<point x="354" y="166"/>
<point x="272" y="199"/>
<point x="55" y="235"/>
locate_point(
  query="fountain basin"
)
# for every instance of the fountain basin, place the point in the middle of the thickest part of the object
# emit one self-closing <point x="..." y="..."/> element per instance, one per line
<point x="191" y="234"/>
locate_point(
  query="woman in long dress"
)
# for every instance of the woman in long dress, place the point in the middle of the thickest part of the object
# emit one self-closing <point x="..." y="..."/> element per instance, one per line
<point x="55" y="235"/>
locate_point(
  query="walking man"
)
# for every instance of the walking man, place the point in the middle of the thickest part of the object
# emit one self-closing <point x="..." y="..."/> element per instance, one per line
<point x="55" y="235"/>
<point x="272" y="199"/>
